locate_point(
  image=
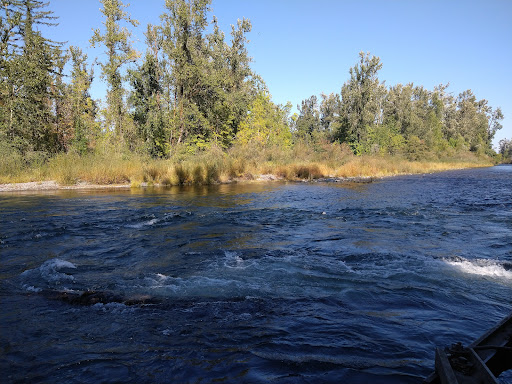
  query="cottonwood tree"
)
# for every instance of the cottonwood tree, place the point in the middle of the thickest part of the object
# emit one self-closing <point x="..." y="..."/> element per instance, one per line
<point x="308" y="121"/>
<point x="476" y="121"/>
<point x="211" y="80"/>
<point x="330" y="114"/>
<point x="265" y="124"/>
<point x="146" y="99"/>
<point x="119" y="50"/>
<point x="398" y="108"/>
<point x="361" y="101"/>
<point x="494" y="123"/>
<point x="82" y="108"/>
<point x="184" y="23"/>
<point x="505" y="150"/>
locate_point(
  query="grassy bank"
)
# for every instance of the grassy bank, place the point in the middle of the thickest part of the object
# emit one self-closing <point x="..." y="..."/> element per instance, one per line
<point x="216" y="166"/>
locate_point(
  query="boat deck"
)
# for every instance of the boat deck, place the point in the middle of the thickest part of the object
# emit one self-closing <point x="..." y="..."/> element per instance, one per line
<point x="481" y="362"/>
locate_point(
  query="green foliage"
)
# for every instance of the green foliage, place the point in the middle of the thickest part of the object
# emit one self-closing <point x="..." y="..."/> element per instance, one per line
<point x="82" y="107"/>
<point x="194" y="93"/>
<point x="383" y="139"/>
<point x="119" y="51"/>
<point x="11" y="159"/>
<point x="308" y="121"/>
<point x="330" y="115"/>
<point x="505" y="151"/>
<point x="265" y="124"/>
<point x="146" y="103"/>
<point x="417" y="149"/>
<point x="210" y="82"/>
<point x="30" y="69"/>
<point x="361" y="100"/>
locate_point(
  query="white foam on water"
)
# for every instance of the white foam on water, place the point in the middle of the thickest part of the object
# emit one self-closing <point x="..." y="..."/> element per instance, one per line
<point x="161" y="276"/>
<point x="284" y="274"/>
<point x="58" y="264"/>
<point x="160" y="281"/>
<point x="234" y="261"/>
<point x="31" y="288"/>
<point x="148" y="223"/>
<point x="195" y="285"/>
<point x="49" y="271"/>
<point x="481" y="267"/>
<point x="155" y="220"/>
<point x="113" y="307"/>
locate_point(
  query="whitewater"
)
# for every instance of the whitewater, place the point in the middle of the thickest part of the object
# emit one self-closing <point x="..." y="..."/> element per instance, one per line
<point x="252" y="283"/>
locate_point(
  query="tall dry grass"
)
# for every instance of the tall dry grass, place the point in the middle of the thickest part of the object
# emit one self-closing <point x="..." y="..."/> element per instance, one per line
<point x="300" y="162"/>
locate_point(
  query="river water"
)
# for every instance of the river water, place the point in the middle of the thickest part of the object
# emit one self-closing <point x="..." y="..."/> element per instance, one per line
<point x="256" y="283"/>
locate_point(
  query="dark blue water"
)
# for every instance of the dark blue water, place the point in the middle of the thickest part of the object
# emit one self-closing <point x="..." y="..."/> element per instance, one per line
<point x="255" y="283"/>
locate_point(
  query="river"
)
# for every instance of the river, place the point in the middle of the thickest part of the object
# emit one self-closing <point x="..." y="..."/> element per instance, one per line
<point x="273" y="282"/>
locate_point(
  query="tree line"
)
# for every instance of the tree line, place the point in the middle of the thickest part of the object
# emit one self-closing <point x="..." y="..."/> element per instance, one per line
<point x="400" y="119"/>
<point x="194" y="88"/>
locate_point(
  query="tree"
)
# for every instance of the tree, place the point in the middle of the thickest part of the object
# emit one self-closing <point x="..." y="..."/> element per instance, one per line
<point x="211" y="81"/>
<point x="147" y="101"/>
<point x="330" y="114"/>
<point x="505" y="150"/>
<point x="239" y="86"/>
<point x="308" y="121"/>
<point x="119" y="52"/>
<point x="361" y="100"/>
<point x="495" y="117"/>
<point x="265" y="124"/>
<point x="476" y="122"/>
<point x="183" y="27"/>
<point x="82" y="107"/>
<point x="30" y="70"/>
<point x="10" y="64"/>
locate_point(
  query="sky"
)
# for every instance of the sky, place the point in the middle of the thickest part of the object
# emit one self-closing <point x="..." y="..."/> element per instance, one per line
<point x="302" y="48"/>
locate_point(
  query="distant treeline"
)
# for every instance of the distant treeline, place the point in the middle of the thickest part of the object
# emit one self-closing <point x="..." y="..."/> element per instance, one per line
<point x="194" y="88"/>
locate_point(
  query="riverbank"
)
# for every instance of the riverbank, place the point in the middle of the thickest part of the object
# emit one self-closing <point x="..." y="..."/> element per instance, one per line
<point x="368" y="172"/>
<point x="114" y="169"/>
<point x="53" y="185"/>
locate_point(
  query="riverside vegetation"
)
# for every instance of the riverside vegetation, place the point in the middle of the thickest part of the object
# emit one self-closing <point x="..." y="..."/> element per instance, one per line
<point x="191" y="110"/>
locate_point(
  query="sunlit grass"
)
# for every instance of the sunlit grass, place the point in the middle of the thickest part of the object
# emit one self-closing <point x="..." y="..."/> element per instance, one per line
<point x="301" y="162"/>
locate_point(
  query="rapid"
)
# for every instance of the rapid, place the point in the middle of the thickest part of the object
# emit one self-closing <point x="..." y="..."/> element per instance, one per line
<point x="253" y="283"/>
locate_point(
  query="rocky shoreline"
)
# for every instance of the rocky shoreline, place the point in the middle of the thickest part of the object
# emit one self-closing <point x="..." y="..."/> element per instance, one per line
<point x="53" y="185"/>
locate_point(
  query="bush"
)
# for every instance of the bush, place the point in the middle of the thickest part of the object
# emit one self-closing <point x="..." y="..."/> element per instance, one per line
<point x="11" y="159"/>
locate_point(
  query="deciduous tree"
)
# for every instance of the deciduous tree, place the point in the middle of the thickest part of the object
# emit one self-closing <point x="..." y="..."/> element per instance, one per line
<point x="119" y="50"/>
<point x="361" y="100"/>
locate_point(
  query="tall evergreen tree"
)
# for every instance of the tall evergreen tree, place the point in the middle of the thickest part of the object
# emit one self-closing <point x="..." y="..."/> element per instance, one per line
<point x="11" y="40"/>
<point x="30" y="68"/>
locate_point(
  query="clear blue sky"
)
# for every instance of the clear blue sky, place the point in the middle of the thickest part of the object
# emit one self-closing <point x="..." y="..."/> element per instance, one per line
<point x="303" y="48"/>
